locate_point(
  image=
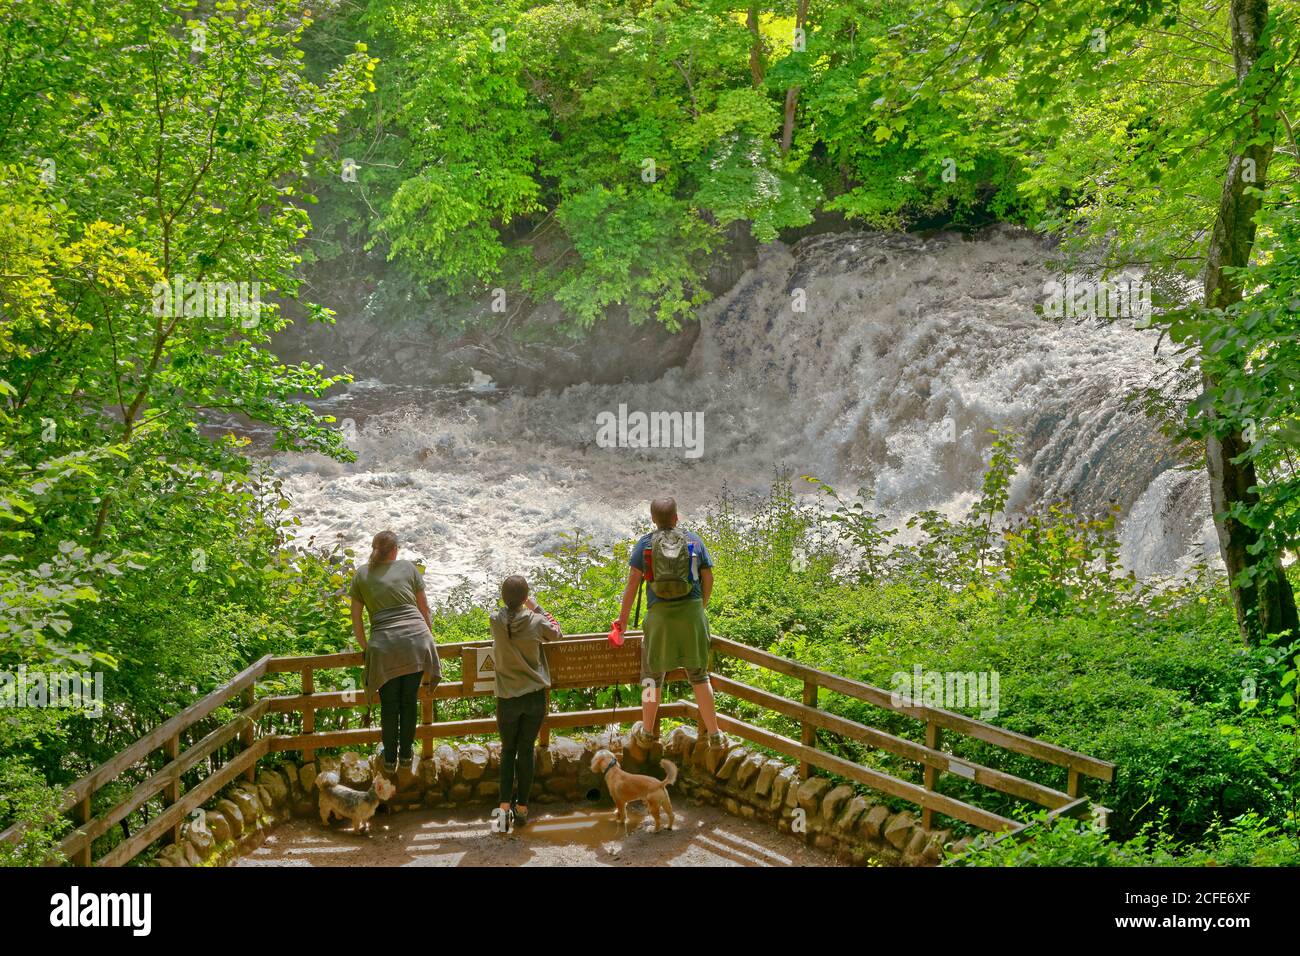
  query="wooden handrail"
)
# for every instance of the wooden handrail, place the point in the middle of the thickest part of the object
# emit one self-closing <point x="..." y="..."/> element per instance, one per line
<point x="932" y="759"/>
<point x="82" y="790"/>
<point x="872" y="778"/>
<point x="84" y="835"/>
<point x="128" y="849"/>
<point x="900" y="746"/>
<point x="978" y="729"/>
<point x="358" y="658"/>
<point x="470" y="728"/>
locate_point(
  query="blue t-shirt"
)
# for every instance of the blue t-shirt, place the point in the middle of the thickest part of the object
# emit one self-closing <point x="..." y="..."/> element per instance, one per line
<point x="704" y="561"/>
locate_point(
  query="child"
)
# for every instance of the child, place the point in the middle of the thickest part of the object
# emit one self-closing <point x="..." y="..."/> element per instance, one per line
<point x="522" y="679"/>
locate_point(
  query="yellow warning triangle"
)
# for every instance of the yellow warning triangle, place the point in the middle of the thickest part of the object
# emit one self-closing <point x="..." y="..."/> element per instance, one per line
<point x="486" y="663"/>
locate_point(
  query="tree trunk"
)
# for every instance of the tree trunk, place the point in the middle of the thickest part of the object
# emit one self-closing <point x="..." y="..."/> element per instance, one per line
<point x="1261" y="593"/>
<point x="756" y="64"/>
<point x="792" y="94"/>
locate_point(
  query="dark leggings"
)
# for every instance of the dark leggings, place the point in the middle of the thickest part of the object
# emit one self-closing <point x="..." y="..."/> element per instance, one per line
<point x="519" y="719"/>
<point x="399" y="705"/>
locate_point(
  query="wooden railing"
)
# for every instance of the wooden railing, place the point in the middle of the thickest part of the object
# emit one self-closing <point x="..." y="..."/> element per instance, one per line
<point x="934" y="761"/>
<point x="77" y="799"/>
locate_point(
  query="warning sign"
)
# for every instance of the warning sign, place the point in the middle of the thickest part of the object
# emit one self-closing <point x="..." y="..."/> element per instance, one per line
<point x="483" y="669"/>
<point x="573" y="662"/>
<point x="593" y="663"/>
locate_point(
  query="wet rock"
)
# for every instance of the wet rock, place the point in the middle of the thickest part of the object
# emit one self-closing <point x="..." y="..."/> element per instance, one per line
<point x="766" y="774"/>
<point x="566" y="755"/>
<point x="679" y="743"/>
<point x="222" y="832"/>
<point x="784" y="783"/>
<point x="250" y="807"/>
<point x="727" y="768"/>
<point x="307" y="776"/>
<point x="898" y="831"/>
<point x="192" y="856"/>
<point x="809" y="794"/>
<point x="871" y="823"/>
<point x="275" y="785"/>
<point x="174" y="855"/>
<point x="933" y="851"/>
<point x="749" y="769"/>
<point x="849" y="816"/>
<point x="199" y="835"/>
<point x="473" y="762"/>
<point x="234" y="817"/>
<point x="445" y="763"/>
<point x="834" y="800"/>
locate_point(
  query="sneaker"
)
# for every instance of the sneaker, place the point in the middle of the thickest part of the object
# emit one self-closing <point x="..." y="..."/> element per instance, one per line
<point x="645" y="740"/>
<point x="520" y="817"/>
<point x="390" y="766"/>
<point x="717" y="741"/>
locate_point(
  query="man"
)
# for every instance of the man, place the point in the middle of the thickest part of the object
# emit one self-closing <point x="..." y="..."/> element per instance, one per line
<point x="678" y="585"/>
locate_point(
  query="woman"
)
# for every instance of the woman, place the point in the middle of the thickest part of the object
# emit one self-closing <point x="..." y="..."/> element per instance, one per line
<point x="522" y="679"/>
<point x="400" y="652"/>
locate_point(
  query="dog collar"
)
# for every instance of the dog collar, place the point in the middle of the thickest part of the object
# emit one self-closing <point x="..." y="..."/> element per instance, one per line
<point x="611" y="766"/>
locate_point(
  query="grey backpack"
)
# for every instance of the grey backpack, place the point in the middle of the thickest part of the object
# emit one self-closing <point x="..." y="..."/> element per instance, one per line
<point x="671" y="564"/>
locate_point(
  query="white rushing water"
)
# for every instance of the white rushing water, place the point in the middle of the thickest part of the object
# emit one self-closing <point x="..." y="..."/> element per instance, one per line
<point x="909" y="350"/>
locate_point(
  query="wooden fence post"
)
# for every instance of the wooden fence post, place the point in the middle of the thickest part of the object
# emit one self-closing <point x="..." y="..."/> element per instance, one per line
<point x="808" y="733"/>
<point x="426" y="716"/>
<point x="249" y="734"/>
<point x="83" y="817"/>
<point x="173" y="793"/>
<point x="545" y="738"/>
<point x="309" y="712"/>
<point x="933" y="734"/>
<point x="1072" y="785"/>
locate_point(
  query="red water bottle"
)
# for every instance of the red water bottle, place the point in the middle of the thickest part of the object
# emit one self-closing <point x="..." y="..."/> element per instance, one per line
<point x="615" y="635"/>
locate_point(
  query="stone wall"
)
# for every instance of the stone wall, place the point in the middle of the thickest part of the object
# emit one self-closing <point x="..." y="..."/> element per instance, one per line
<point x="857" y="828"/>
<point x="836" y="819"/>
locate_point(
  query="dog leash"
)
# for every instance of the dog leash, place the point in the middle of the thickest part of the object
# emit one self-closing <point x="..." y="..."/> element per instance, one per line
<point x="613" y="711"/>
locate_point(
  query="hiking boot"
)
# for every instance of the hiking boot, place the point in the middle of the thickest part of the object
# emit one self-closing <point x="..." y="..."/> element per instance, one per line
<point x="644" y="740"/>
<point x="717" y="741"/>
<point x="390" y="766"/>
<point x="520" y="817"/>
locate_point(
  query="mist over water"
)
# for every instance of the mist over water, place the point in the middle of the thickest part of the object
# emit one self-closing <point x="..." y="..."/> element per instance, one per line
<point x="909" y="351"/>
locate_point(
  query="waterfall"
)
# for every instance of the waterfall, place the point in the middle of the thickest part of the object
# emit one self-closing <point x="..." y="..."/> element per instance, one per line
<point x="870" y="360"/>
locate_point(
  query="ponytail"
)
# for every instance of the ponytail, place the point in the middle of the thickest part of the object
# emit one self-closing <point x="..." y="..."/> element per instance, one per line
<point x="382" y="545"/>
<point x="514" y="592"/>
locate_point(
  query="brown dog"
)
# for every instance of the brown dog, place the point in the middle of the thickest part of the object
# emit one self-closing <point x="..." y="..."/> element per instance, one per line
<point x="627" y="787"/>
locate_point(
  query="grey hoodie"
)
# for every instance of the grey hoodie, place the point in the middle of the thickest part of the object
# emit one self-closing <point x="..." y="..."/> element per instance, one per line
<point x="518" y="659"/>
